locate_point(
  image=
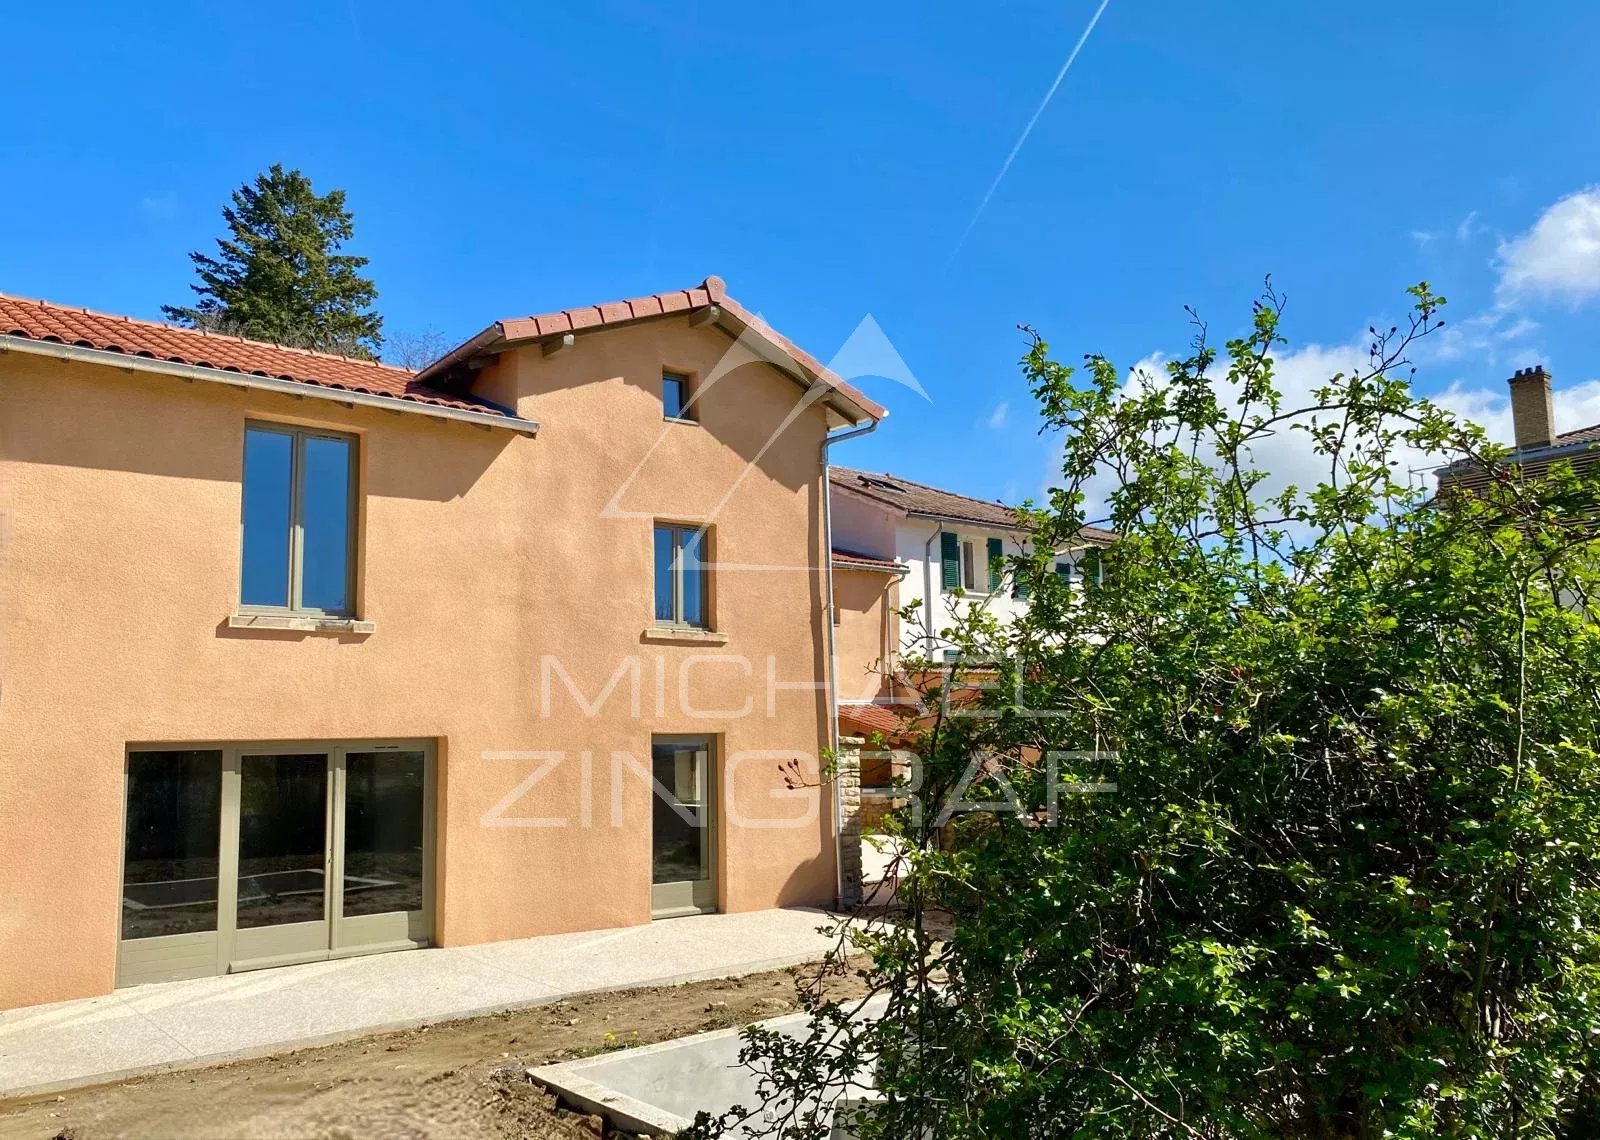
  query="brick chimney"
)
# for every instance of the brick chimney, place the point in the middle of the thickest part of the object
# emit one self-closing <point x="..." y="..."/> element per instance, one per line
<point x="1533" y="419"/>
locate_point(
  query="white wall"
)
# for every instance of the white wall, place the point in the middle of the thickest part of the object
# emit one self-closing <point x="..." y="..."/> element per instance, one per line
<point x="918" y="545"/>
<point x="861" y="525"/>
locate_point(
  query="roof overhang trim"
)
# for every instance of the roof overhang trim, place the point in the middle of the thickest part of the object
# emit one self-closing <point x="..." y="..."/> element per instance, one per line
<point x="128" y="362"/>
<point x="900" y="570"/>
<point x="933" y="516"/>
<point x="505" y="336"/>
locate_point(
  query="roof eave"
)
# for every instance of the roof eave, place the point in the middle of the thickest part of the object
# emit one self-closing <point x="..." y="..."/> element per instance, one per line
<point x="1531" y="454"/>
<point x="1099" y="538"/>
<point x="489" y="339"/>
<point x="936" y="516"/>
<point x="730" y="317"/>
<point x="900" y="570"/>
<point x="299" y="388"/>
<point x="850" y="404"/>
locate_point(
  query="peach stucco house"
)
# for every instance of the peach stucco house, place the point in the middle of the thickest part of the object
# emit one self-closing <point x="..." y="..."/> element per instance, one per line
<point x="303" y="657"/>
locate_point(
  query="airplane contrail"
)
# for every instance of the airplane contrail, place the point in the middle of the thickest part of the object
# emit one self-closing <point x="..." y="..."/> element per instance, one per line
<point x="1027" y="130"/>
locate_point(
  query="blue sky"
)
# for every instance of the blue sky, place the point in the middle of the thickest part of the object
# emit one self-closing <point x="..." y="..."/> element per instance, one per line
<point x="504" y="159"/>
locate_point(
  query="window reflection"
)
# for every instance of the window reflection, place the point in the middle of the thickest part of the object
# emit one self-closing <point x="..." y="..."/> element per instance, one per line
<point x="169" y="871"/>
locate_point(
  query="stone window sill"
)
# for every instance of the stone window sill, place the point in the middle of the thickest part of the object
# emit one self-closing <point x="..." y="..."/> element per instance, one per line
<point x="300" y="623"/>
<point x="676" y="635"/>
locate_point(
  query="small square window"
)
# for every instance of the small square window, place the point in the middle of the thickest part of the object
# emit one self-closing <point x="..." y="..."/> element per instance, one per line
<point x="676" y="397"/>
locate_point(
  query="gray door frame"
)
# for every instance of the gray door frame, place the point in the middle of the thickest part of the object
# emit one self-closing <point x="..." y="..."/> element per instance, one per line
<point x="229" y="949"/>
<point x="697" y="896"/>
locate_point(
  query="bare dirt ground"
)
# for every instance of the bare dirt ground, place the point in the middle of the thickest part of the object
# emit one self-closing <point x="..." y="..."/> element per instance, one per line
<point x="462" y="1080"/>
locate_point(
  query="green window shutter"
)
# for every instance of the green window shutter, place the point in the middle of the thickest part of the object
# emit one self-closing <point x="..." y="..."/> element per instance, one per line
<point x="997" y="553"/>
<point x="1089" y="566"/>
<point x="1019" y="588"/>
<point x="950" y="553"/>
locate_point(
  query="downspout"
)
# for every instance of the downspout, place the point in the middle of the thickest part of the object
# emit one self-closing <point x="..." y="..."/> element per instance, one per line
<point x="833" y="651"/>
<point x="927" y="590"/>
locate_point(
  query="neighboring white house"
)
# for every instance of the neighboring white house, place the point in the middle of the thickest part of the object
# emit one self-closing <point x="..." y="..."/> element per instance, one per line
<point x="946" y="542"/>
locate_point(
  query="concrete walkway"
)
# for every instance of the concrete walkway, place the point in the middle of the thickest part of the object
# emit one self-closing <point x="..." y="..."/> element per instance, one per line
<point x="44" y="1048"/>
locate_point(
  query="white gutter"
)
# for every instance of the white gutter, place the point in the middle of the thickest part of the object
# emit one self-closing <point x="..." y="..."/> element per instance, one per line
<point x="298" y="388"/>
<point x="927" y="589"/>
<point x="833" y="649"/>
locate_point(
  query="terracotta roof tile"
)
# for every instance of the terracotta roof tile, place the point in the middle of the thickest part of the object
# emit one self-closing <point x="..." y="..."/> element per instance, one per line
<point x="865" y="720"/>
<point x="554" y="323"/>
<point x="42" y="321"/>
<point x="711" y="291"/>
<point x="586" y="318"/>
<point x="851" y="560"/>
<point x="922" y="500"/>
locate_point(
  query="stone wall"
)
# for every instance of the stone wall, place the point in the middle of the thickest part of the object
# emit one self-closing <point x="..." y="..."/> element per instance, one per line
<point x="848" y="785"/>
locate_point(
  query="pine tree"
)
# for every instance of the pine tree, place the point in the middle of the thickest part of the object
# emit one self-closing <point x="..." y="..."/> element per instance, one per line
<point x="280" y="275"/>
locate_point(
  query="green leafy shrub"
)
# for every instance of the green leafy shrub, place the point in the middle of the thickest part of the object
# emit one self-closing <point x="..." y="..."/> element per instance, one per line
<point x="1346" y="882"/>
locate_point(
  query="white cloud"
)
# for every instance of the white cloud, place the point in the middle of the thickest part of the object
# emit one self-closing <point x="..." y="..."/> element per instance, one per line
<point x="1286" y="455"/>
<point x="1488" y="338"/>
<point x="1576" y="406"/>
<point x="997" y="418"/>
<point x="1559" y="257"/>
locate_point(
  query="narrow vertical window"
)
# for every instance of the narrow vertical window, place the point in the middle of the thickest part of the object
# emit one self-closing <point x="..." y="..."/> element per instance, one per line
<point x="666" y="581"/>
<point x="268" y="493"/>
<point x="299" y="520"/>
<point x="969" y="577"/>
<point x="675" y="396"/>
<point x="692" y="571"/>
<point x="681" y="578"/>
<point x="325" y="497"/>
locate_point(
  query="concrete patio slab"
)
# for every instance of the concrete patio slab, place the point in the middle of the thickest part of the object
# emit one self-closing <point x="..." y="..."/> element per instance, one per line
<point x="207" y="1020"/>
<point x="658" y="1089"/>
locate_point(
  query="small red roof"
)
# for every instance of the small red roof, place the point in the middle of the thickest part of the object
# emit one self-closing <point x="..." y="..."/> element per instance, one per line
<point x="40" y="320"/>
<point x="850" y="560"/>
<point x="866" y="720"/>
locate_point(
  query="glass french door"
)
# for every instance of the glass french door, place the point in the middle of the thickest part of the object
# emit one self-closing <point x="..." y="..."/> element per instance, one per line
<point x="243" y="857"/>
<point x="682" y="878"/>
<point x="331" y="853"/>
<point x="285" y="857"/>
